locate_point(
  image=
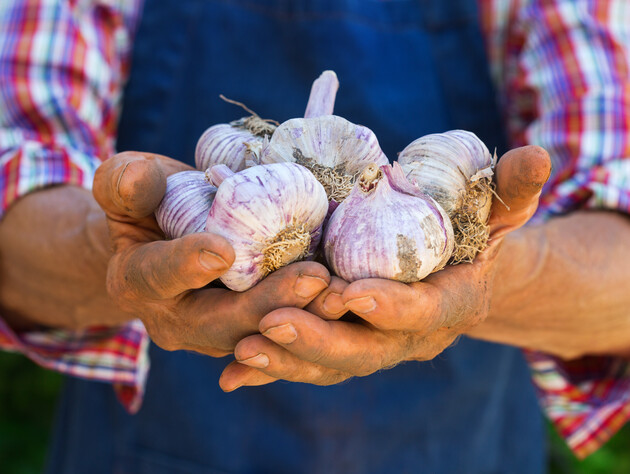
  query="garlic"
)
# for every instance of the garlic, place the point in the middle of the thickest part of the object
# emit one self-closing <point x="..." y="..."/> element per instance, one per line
<point x="387" y="228"/>
<point x="185" y="205"/>
<point x="332" y="148"/>
<point x="237" y="144"/>
<point x="271" y="214"/>
<point x="455" y="169"/>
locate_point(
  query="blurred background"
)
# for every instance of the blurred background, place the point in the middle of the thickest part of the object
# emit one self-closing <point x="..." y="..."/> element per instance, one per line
<point x="28" y="395"/>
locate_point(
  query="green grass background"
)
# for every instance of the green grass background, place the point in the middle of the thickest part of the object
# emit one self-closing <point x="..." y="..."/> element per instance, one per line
<point x="28" y="395"/>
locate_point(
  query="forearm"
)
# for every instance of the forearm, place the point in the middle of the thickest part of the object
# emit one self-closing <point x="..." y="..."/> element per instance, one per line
<point x="562" y="287"/>
<point x="54" y="251"/>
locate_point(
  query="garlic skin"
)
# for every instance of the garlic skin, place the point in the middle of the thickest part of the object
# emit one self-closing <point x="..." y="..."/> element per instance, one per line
<point x="185" y="205"/>
<point x="332" y="148"/>
<point x="455" y="168"/>
<point x="237" y="144"/>
<point x="271" y="214"/>
<point x="387" y="228"/>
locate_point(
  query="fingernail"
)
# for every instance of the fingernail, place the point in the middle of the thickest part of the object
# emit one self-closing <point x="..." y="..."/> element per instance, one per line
<point x="259" y="361"/>
<point x="364" y="304"/>
<point x="308" y="286"/>
<point x="284" y="334"/>
<point x="120" y="177"/>
<point x="211" y="261"/>
<point x="228" y="390"/>
<point x="333" y="304"/>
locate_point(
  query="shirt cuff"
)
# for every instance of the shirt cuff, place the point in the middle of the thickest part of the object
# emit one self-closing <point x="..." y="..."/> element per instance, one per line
<point x="33" y="166"/>
<point x="115" y="355"/>
<point x="606" y="186"/>
<point x="588" y="400"/>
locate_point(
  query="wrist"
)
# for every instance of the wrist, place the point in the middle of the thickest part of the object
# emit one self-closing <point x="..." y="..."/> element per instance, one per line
<point x="54" y="244"/>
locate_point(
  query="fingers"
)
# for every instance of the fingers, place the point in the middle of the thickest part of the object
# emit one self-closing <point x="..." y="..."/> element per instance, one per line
<point x="226" y="317"/>
<point x="132" y="184"/>
<point x="295" y="285"/>
<point x="391" y="305"/>
<point x="267" y="361"/>
<point x="164" y="269"/>
<point x="329" y="303"/>
<point x="236" y="375"/>
<point x="520" y="176"/>
<point x="346" y="347"/>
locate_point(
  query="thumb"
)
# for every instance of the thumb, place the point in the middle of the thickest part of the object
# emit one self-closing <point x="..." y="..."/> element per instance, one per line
<point x="520" y="176"/>
<point x="130" y="185"/>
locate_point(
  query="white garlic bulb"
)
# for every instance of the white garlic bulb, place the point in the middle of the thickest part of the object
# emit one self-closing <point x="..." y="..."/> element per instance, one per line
<point x="332" y="148"/>
<point x="185" y="205"/>
<point x="387" y="228"/>
<point x="455" y="168"/>
<point x="271" y="214"/>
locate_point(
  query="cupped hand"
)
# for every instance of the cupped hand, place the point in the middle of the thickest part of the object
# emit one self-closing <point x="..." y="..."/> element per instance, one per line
<point x="398" y="321"/>
<point x="164" y="283"/>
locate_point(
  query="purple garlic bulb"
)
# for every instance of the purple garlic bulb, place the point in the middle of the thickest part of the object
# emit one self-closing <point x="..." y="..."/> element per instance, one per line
<point x="271" y="214"/>
<point x="387" y="228"/>
<point x="185" y="205"/>
<point x="332" y="148"/>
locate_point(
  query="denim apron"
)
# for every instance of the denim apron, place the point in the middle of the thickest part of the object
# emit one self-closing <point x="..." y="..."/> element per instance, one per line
<point x="407" y="68"/>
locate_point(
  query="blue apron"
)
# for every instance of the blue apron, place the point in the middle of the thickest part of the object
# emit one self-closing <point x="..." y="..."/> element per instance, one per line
<point x="407" y="68"/>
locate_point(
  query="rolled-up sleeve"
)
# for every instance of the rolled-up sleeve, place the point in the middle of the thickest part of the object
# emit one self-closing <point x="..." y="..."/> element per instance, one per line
<point x="63" y="65"/>
<point x="562" y="73"/>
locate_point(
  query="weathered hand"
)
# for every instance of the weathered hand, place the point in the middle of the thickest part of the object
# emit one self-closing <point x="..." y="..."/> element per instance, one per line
<point x="162" y="282"/>
<point x="397" y="321"/>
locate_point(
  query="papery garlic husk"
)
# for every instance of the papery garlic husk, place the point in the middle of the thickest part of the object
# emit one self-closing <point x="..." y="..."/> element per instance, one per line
<point x="332" y="148"/>
<point x="387" y="228"/>
<point x="237" y="144"/>
<point x="185" y="205"/>
<point x="271" y="214"/>
<point x="455" y="168"/>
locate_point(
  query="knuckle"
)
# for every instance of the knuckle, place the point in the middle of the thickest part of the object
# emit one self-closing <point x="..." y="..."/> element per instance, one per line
<point x="163" y="339"/>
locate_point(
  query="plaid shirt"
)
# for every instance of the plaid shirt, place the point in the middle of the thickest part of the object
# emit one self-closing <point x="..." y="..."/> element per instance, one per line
<point x="561" y="69"/>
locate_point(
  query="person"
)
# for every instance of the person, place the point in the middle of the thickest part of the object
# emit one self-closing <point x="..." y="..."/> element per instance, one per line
<point x="91" y="266"/>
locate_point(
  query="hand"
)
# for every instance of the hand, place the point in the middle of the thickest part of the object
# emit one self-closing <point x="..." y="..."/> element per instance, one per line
<point x="399" y="321"/>
<point x="162" y="282"/>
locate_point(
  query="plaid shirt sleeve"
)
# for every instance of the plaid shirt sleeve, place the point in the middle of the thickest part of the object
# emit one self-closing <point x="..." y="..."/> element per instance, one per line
<point x="562" y="70"/>
<point x="63" y="64"/>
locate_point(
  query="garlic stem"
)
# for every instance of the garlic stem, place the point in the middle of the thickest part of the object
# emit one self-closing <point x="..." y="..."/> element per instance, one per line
<point x="218" y="173"/>
<point x="322" y="98"/>
<point x="369" y="177"/>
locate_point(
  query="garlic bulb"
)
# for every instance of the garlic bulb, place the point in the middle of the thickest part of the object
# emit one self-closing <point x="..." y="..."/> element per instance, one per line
<point x="455" y="169"/>
<point x="332" y="148"/>
<point x="271" y="214"/>
<point x="237" y="144"/>
<point x="387" y="228"/>
<point x="233" y="144"/>
<point x="185" y="205"/>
